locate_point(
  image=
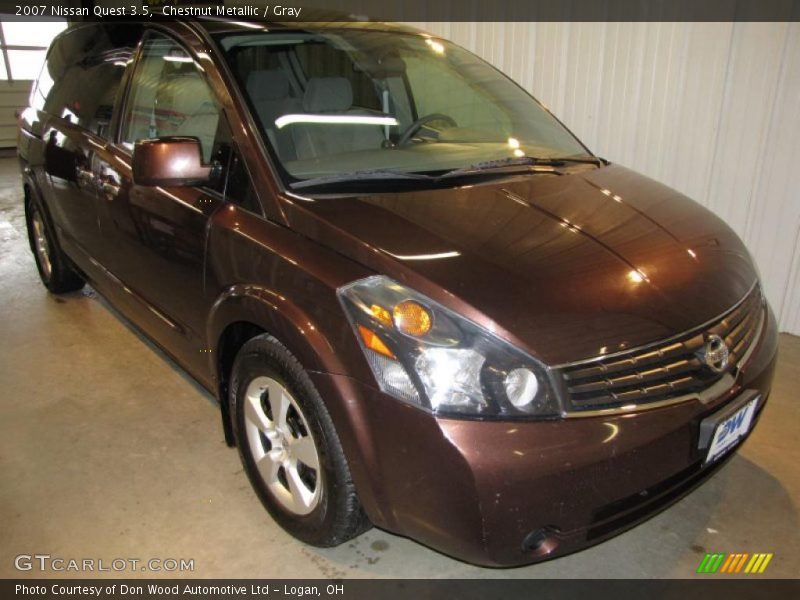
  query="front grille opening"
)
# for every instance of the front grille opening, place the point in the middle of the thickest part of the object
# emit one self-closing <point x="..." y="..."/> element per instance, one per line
<point x="629" y="511"/>
<point x="663" y="371"/>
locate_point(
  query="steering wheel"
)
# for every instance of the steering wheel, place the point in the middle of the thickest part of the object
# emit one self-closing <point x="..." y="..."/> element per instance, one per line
<point x="419" y="123"/>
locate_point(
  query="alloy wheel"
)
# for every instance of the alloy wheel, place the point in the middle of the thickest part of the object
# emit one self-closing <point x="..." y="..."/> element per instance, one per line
<point x="282" y="446"/>
<point x="41" y="244"/>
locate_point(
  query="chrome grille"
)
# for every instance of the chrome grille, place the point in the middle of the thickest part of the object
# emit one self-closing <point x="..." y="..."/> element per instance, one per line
<point x="663" y="371"/>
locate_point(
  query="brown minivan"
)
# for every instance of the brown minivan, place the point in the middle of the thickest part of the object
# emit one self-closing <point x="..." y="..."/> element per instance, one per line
<point x="422" y="303"/>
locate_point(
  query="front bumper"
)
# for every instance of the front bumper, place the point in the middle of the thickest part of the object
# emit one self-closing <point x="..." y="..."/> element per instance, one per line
<point x="505" y="493"/>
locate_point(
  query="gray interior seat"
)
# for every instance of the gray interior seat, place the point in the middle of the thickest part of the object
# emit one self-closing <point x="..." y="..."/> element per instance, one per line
<point x="269" y="92"/>
<point x="332" y="95"/>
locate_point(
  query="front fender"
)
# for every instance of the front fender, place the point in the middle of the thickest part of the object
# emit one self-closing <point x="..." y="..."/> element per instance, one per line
<point x="276" y="315"/>
<point x="298" y="331"/>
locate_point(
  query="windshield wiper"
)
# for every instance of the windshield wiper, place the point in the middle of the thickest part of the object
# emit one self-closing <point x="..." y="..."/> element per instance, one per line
<point x="359" y="176"/>
<point x="562" y="160"/>
<point x="510" y="163"/>
<point x="514" y="162"/>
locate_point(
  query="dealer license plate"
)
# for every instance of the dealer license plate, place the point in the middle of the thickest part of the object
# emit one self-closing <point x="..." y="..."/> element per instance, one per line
<point x="731" y="430"/>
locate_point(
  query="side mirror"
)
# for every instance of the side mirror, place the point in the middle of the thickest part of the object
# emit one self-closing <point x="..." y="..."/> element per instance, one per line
<point x="169" y="161"/>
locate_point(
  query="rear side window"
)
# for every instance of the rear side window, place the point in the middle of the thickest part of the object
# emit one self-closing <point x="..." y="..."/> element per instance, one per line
<point x="81" y="78"/>
<point x="169" y="97"/>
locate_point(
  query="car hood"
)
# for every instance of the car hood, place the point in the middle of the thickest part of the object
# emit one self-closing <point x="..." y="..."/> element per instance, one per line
<point x="568" y="267"/>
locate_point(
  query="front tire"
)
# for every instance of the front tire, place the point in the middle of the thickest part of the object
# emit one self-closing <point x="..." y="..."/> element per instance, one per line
<point x="55" y="270"/>
<point x="289" y="447"/>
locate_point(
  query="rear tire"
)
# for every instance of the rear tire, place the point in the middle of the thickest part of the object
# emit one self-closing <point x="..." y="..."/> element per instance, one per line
<point x="55" y="269"/>
<point x="289" y="447"/>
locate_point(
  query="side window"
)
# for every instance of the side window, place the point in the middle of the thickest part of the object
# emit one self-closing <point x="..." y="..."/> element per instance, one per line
<point x="81" y="77"/>
<point x="169" y="97"/>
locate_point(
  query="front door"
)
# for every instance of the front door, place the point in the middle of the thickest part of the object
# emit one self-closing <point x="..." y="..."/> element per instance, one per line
<point x="160" y="232"/>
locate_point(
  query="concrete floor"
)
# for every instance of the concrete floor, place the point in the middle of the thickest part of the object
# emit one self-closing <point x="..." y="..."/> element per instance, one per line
<point x="108" y="450"/>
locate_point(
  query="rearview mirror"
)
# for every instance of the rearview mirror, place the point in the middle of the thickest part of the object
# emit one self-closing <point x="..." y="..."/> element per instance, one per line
<point x="169" y="161"/>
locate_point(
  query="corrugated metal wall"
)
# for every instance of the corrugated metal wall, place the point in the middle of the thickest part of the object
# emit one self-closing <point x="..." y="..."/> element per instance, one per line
<point x="13" y="96"/>
<point x="711" y="109"/>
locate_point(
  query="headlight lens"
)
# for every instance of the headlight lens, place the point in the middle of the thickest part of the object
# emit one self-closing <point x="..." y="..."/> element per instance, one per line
<point x="425" y="354"/>
<point x="521" y="386"/>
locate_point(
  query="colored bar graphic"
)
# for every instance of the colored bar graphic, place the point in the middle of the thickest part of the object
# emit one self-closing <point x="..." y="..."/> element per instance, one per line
<point x="734" y="563"/>
<point x="703" y="564"/>
<point x="728" y="564"/>
<point x="740" y="564"/>
<point x="711" y="563"/>
<point x="754" y="563"/>
<point x="764" y="564"/>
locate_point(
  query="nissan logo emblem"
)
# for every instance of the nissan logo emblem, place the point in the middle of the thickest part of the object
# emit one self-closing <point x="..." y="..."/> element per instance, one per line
<point x="715" y="353"/>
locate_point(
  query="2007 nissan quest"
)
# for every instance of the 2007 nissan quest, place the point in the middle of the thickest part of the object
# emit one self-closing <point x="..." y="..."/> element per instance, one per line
<point x="422" y="303"/>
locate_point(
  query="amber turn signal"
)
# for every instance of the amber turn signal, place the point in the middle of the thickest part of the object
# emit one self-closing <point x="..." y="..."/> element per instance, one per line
<point x="380" y="313"/>
<point x="412" y="318"/>
<point x="373" y="342"/>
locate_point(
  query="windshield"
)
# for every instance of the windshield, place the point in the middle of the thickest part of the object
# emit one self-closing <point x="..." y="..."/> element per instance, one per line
<point x="345" y="102"/>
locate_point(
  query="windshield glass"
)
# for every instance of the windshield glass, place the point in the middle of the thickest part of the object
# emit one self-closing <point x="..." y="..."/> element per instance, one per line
<point x="344" y="102"/>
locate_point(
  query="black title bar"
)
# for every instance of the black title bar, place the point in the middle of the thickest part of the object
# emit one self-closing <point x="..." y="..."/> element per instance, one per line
<point x="715" y="586"/>
<point x="419" y="10"/>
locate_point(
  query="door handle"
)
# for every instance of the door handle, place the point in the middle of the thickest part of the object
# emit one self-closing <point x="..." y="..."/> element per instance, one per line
<point x="84" y="176"/>
<point x="110" y="190"/>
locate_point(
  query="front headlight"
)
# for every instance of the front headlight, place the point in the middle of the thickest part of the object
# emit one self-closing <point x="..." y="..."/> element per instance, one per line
<point x="425" y="354"/>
